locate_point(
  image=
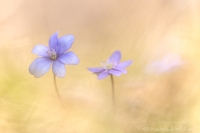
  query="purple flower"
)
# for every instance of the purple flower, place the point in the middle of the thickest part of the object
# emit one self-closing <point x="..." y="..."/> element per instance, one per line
<point x="54" y="55"/>
<point x="111" y="66"/>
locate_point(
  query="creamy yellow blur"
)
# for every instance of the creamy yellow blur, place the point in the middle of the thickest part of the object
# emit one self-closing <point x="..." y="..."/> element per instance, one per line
<point x="144" y="31"/>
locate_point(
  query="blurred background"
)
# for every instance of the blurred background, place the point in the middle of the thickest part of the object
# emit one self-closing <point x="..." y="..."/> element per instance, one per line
<point x="160" y="92"/>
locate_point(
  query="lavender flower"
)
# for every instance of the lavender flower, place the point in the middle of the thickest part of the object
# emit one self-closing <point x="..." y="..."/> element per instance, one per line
<point x="54" y="55"/>
<point x="111" y="66"/>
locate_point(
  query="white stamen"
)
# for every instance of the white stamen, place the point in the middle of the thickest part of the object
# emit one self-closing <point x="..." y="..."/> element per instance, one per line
<point x="108" y="64"/>
<point x="52" y="54"/>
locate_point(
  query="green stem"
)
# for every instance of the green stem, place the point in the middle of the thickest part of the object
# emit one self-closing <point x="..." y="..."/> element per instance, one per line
<point x="113" y="90"/>
<point x="55" y="84"/>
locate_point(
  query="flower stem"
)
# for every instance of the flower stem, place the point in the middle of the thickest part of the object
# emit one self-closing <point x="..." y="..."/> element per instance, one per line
<point x="54" y="77"/>
<point x="113" y="90"/>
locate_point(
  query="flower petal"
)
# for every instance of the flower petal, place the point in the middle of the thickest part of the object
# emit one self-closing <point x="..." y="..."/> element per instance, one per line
<point x="58" y="69"/>
<point x="124" y="64"/>
<point x="69" y="58"/>
<point x="40" y="66"/>
<point x="34" y="64"/>
<point x="41" y="50"/>
<point x="103" y="75"/>
<point x="53" y="41"/>
<point x="65" y="43"/>
<point x="116" y="56"/>
<point x="115" y="72"/>
<point x="121" y="70"/>
<point x="96" y="70"/>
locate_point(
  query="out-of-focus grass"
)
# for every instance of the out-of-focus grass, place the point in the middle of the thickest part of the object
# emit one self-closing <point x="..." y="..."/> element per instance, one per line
<point x="144" y="31"/>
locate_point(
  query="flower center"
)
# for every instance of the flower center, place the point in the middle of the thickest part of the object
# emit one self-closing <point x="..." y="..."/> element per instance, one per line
<point x="108" y="64"/>
<point x="52" y="54"/>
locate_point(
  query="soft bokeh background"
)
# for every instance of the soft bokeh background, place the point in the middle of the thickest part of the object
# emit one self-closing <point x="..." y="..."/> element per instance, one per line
<point x="163" y="95"/>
